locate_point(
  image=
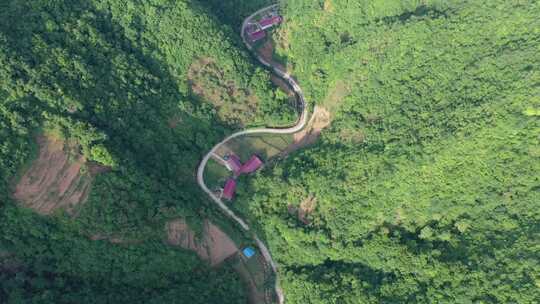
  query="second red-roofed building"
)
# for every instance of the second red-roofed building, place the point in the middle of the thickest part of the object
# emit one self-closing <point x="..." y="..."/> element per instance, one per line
<point x="252" y="165"/>
<point x="229" y="189"/>
<point x="233" y="162"/>
<point x="270" y="21"/>
<point x="257" y="35"/>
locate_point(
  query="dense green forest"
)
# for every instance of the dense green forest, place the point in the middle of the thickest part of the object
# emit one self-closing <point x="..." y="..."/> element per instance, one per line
<point x="44" y="261"/>
<point x="426" y="187"/>
<point x="144" y="88"/>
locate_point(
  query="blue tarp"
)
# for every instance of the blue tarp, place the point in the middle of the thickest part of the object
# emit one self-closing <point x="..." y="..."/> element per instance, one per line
<point x="248" y="252"/>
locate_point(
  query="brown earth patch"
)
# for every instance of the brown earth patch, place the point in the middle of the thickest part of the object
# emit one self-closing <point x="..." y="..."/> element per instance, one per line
<point x="322" y="118"/>
<point x="235" y="105"/>
<point x="57" y="179"/>
<point x="328" y="6"/>
<point x="307" y="206"/>
<point x="280" y="83"/>
<point x="266" y="51"/>
<point x="319" y="120"/>
<point x="213" y="246"/>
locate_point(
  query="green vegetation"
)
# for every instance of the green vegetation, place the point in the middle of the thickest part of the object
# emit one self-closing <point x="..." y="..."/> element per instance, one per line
<point x="53" y="263"/>
<point x="215" y="174"/>
<point x="264" y="145"/>
<point x="426" y="186"/>
<point x="114" y="76"/>
<point x="233" y="12"/>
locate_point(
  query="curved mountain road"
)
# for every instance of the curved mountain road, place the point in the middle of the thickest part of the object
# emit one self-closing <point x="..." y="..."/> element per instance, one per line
<point x="300" y="124"/>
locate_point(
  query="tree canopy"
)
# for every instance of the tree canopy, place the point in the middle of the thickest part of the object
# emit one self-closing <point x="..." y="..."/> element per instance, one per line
<point x="425" y="188"/>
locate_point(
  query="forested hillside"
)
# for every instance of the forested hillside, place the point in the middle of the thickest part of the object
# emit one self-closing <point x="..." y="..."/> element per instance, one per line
<point x="142" y="89"/>
<point x="426" y="188"/>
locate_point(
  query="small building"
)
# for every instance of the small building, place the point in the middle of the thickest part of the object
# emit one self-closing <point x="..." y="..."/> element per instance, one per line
<point x="270" y="21"/>
<point x="258" y="35"/>
<point x="252" y="28"/>
<point x="234" y="164"/>
<point x="229" y="189"/>
<point x="252" y="165"/>
<point x="248" y="252"/>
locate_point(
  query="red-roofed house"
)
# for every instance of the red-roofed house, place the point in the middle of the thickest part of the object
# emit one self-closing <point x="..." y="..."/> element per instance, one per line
<point x="258" y="35"/>
<point x="252" y="165"/>
<point x="229" y="189"/>
<point x="234" y="164"/>
<point x="270" y="21"/>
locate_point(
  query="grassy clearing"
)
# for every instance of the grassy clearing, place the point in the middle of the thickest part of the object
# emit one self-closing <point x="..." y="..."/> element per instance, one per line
<point x="215" y="174"/>
<point x="257" y="270"/>
<point x="336" y="94"/>
<point x="266" y="146"/>
<point x="253" y="272"/>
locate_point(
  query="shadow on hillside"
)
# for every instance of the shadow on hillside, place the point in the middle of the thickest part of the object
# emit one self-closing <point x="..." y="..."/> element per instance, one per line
<point x="233" y="12"/>
<point x="82" y="72"/>
<point x="422" y="11"/>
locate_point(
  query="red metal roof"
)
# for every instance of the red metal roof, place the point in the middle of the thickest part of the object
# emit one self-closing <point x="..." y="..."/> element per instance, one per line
<point x="229" y="189"/>
<point x="257" y="35"/>
<point x="252" y="164"/>
<point x="252" y="28"/>
<point x="268" y="22"/>
<point x="234" y="163"/>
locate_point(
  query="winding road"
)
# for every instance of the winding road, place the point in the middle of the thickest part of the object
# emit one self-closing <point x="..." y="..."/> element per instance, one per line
<point x="300" y="124"/>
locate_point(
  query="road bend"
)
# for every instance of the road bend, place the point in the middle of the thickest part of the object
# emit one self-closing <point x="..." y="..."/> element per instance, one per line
<point x="300" y="124"/>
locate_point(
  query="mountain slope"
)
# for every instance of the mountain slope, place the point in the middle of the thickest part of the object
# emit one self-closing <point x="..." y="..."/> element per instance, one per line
<point x="425" y="188"/>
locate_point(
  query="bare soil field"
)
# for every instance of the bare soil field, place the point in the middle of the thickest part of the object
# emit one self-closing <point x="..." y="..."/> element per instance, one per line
<point x="319" y="120"/>
<point x="60" y="178"/>
<point x="213" y="246"/>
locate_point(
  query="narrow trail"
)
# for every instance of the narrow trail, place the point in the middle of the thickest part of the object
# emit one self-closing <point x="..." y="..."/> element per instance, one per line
<point x="300" y="124"/>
